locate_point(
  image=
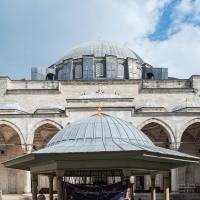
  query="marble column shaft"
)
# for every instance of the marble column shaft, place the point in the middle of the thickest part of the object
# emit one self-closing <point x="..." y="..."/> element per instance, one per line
<point x="59" y="177"/>
<point x="34" y="179"/>
<point x="50" y="187"/>
<point x="153" y="187"/>
<point x="166" y="185"/>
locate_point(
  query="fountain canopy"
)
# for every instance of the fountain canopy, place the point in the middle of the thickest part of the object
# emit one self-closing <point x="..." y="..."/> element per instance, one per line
<point x="101" y="142"/>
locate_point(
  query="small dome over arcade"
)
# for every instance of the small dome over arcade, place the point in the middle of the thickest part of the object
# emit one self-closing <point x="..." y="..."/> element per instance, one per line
<point x="189" y="105"/>
<point x="11" y="108"/>
<point x="150" y="107"/>
<point x="50" y="108"/>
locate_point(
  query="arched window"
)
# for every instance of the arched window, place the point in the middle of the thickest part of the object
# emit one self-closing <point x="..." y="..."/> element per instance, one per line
<point x="78" y="71"/>
<point x="120" y="71"/>
<point x="100" y="70"/>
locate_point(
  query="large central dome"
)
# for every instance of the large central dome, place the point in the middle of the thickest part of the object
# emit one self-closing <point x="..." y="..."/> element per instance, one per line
<point x="100" y="48"/>
<point x="97" y="60"/>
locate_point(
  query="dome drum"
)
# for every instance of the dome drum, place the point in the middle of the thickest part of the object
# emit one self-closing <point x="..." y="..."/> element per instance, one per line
<point x="108" y="67"/>
<point x="99" y="60"/>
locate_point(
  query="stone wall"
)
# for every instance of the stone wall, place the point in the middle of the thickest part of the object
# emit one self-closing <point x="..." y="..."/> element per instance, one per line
<point x="31" y="95"/>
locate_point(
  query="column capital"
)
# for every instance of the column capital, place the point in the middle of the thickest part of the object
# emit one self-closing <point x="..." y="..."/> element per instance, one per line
<point x="34" y="176"/>
<point x="174" y="146"/>
<point x="153" y="180"/>
<point x="127" y="173"/>
<point x="50" y="176"/>
<point x="153" y="175"/>
<point x="166" y="174"/>
<point x="60" y="173"/>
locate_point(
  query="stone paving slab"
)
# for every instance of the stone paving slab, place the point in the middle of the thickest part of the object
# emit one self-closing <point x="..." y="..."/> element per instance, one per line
<point x="143" y="196"/>
<point x="19" y="197"/>
<point x="16" y="197"/>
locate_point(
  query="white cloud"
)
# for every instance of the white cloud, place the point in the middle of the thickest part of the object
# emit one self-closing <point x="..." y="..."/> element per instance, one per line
<point x="123" y="20"/>
<point x="187" y="11"/>
<point x="138" y="18"/>
<point x="180" y="53"/>
<point x="131" y="22"/>
<point x="141" y="19"/>
<point x="184" y="7"/>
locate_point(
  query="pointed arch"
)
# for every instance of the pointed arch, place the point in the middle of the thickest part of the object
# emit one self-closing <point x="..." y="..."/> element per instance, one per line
<point x="188" y="141"/>
<point x="13" y="145"/>
<point x="46" y="121"/>
<point x="186" y="125"/>
<point x="17" y="130"/>
<point x="41" y="123"/>
<point x="163" y="124"/>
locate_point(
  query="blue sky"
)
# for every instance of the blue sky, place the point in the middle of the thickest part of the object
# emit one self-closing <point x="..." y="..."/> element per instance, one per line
<point x="38" y="32"/>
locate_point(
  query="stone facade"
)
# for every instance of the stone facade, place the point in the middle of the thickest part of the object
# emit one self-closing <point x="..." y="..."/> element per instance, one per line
<point x="99" y="74"/>
<point x="31" y="112"/>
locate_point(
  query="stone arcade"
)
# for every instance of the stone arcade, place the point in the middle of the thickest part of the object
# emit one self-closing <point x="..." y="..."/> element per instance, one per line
<point x="166" y="109"/>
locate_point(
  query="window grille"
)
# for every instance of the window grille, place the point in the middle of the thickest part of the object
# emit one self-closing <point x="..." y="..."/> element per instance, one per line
<point x="78" y="71"/>
<point x="99" y="70"/>
<point x="120" y="71"/>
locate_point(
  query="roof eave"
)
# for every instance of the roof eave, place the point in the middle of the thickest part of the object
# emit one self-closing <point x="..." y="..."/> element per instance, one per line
<point x="20" y="162"/>
<point x="158" y="161"/>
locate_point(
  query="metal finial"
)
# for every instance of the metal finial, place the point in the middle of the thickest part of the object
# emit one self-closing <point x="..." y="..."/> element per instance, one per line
<point x="99" y="110"/>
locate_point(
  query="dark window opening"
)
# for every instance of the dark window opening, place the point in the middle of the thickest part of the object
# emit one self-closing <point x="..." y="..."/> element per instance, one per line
<point x="120" y="71"/>
<point x="150" y="76"/>
<point x="50" y="76"/>
<point x="78" y="72"/>
<point x="140" y="183"/>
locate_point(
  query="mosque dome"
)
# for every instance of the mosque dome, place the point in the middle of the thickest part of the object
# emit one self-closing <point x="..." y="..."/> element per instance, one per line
<point x="97" y="60"/>
<point x="100" y="48"/>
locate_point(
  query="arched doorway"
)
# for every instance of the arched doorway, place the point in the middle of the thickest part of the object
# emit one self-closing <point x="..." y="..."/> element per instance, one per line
<point x="42" y="136"/>
<point x="11" y="180"/>
<point x="190" y="143"/>
<point x="161" y="137"/>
